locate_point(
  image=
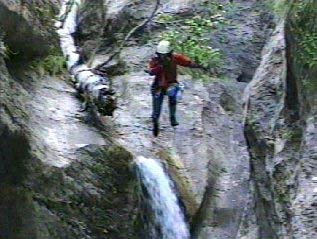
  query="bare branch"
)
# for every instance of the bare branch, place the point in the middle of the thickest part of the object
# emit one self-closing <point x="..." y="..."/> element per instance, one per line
<point x="128" y="36"/>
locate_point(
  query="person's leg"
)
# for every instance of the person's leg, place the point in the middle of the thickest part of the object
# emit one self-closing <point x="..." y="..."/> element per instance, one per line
<point x="172" y="107"/>
<point x="157" y="99"/>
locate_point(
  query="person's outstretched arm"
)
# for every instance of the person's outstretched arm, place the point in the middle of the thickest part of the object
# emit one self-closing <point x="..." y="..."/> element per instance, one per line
<point x="185" y="61"/>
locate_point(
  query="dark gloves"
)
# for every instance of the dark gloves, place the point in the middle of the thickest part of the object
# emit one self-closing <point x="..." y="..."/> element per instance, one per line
<point x="196" y="65"/>
<point x="204" y="68"/>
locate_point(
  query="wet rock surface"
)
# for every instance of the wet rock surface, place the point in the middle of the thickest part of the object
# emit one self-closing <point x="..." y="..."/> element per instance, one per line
<point x="59" y="176"/>
<point x="280" y="129"/>
<point x="242" y="171"/>
<point x="57" y="123"/>
<point x="263" y="98"/>
<point x="68" y="178"/>
<point x="212" y="176"/>
<point x="24" y="25"/>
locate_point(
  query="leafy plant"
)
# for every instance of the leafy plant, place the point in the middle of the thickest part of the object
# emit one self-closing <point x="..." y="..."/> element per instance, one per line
<point x="279" y="7"/>
<point x="189" y="37"/>
<point x="7" y="52"/>
<point x="166" y="18"/>
<point x="308" y="53"/>
<point x="53" y="64"/>
<point x="301" y="18"/>
<point x="306" y="36"/>
<point x="45" y="13"/>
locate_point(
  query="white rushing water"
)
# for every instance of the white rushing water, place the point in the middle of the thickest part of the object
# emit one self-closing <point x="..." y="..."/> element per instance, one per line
<point x="168" y="214"/>
<point x="67" y="25"/>
<point x="82" y="74"/>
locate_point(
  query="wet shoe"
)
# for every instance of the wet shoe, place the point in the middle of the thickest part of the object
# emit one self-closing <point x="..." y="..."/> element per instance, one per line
<point x="174" y="122"/>
<point x="156" y="128"/>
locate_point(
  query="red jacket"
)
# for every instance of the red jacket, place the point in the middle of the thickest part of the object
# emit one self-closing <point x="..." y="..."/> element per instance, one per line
<point x="166" y="74"/>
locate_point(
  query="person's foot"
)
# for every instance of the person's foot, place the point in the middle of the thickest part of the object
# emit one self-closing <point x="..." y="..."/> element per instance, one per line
<point x="174" y="122"/>
<point x="156" y="128"/>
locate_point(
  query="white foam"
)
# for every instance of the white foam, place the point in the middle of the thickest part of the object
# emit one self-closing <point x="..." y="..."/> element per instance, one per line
<point x="167" y="211"/>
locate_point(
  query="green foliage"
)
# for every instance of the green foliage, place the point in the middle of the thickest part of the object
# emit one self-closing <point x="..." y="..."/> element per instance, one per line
<point x="308" y="45"/>
<point x="54" y="64"/>
<point x="301" y="20"/>
<point x="279" y="7"/>
<point x="45" y="13"/>
<point x="8" y="53"/>
<point x="194" y="48"/>
<point x="294" y="135"/>
<point x="166" y="18"/>
<point x="190" y="37"/>
<point x="303" y="14"/>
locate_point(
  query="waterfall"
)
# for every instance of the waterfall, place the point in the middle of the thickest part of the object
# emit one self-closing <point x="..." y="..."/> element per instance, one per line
<point x="95" y="85"/>
<point x="67" y="25"/>
<point x="167" y="212"/>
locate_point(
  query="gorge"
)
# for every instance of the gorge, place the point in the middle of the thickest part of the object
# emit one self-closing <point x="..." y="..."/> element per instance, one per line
<point x="242" y="163"/>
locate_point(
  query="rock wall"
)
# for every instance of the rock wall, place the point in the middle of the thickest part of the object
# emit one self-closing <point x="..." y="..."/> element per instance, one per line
<point x="280" y="128"/>
<point x="264" y="104"/>
<point x="27" y="27"/>
<point x="302" y="72"/>
<point x="59" y="176"/>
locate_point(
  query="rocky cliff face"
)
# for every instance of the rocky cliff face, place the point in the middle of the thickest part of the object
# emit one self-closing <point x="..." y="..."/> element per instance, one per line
<point x="25" y="26"/>
<point x="59" y="176"/>
<point x="280" y="129"/>
<point x="243" y="169"/>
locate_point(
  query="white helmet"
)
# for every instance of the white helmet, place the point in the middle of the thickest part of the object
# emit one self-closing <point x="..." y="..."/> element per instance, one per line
<point x="164" y="47"/>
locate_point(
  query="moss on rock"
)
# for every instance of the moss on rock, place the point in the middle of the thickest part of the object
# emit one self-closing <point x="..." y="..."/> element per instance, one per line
<point x="96" y="197"/>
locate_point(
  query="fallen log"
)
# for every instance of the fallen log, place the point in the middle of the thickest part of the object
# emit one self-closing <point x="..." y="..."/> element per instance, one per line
<point x="94" y="86"/>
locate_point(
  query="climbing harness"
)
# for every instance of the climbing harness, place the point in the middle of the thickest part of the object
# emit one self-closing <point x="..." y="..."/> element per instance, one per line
<point x="179" y="94"/>
<point x="176" y="90"/>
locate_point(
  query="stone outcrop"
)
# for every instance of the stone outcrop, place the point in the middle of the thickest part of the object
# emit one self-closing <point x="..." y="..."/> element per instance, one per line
<point x="303" y="91"/>
<point x="26" y="26"/>
<point x="59" y="176"/>
<point x="281" y="132"/>
<point x="264" y="104"/>
<point x="241" y="171"/>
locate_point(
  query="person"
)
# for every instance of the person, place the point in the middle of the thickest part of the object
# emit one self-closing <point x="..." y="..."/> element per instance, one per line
<point x="164" y="67"/>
